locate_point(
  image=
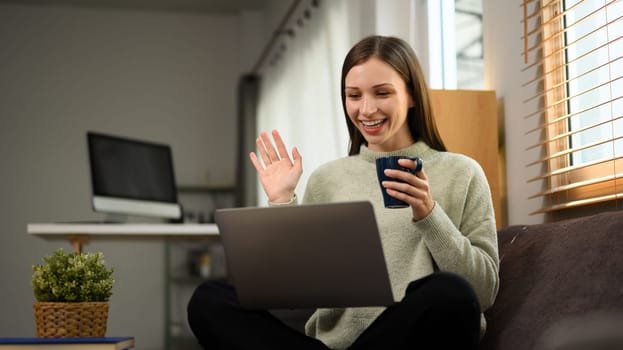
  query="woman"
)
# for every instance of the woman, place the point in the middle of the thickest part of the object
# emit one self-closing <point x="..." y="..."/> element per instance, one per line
<point x="441" y="252"/>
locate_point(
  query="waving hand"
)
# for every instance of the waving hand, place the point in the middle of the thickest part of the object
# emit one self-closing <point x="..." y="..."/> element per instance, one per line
<point x="278" y="173"/>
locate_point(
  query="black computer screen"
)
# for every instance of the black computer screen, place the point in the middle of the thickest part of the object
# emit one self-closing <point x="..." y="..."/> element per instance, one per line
<point x="132" y="169"/>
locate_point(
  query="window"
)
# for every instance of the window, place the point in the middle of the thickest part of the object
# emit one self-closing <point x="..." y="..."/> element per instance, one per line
<point x="454" y="44"/>
<point x="574" y="61"/>
<point x="593" y="65"/>
<point x="469" y="48"/>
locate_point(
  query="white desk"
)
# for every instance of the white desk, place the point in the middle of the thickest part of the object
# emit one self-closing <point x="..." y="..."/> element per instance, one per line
<point x="80" y="234"/>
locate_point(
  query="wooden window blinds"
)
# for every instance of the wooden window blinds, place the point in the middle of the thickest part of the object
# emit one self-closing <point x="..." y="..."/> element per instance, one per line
<point x="573" y="52"/>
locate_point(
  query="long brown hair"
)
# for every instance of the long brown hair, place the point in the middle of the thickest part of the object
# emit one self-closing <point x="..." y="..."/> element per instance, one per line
<point x="398" y="54"/>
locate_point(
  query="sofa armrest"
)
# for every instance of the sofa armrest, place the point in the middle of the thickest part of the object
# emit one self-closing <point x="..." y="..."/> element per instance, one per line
<point x="552" y="272"/>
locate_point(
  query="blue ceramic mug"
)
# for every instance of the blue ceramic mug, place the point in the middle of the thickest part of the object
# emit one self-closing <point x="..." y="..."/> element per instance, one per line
<point x="391" y="162"/>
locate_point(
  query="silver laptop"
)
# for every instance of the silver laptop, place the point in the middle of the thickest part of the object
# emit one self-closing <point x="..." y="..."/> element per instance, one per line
<point x="305" y="256"/>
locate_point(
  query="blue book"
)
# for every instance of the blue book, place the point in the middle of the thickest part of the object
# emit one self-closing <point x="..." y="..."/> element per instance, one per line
<point x="86" y="343"/>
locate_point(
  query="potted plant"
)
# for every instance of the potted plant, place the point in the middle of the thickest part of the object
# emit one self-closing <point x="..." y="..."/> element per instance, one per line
<point x="72" y="293"/>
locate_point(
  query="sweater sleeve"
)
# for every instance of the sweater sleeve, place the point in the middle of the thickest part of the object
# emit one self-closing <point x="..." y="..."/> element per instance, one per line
<point x="470" y="249"/>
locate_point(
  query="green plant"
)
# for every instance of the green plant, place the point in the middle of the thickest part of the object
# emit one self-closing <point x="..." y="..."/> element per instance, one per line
<point x="74" y="277"/>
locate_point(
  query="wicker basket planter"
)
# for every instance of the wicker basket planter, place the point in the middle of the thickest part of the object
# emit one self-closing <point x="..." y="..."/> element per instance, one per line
<point x="67" y="319"/>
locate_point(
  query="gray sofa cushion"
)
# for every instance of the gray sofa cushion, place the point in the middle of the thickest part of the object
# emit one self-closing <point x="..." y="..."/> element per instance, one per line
<point x="552" y="273"/>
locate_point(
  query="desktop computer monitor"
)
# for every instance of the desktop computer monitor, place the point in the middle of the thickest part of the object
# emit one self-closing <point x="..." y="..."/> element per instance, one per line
<point x="132" y="177"/>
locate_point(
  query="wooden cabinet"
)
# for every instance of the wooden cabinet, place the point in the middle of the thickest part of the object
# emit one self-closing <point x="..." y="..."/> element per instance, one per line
<point x="468" y="123"/>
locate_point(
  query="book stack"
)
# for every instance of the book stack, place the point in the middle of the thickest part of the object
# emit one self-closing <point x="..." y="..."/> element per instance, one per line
<point x="87" y="343"/>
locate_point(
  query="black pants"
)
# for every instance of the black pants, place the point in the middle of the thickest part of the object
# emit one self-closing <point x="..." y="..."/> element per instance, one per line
<point x="437" y="311"/>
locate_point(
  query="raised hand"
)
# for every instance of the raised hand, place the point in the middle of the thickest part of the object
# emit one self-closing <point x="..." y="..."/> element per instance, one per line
<point x="278" y="173"/>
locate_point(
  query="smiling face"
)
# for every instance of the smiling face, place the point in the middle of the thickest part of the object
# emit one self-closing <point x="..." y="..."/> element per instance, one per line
<point x="377" y="102"/>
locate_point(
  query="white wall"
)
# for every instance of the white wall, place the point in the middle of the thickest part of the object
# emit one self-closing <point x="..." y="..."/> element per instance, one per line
<point x="503" y="64"/>
<point x="170" y="78"/>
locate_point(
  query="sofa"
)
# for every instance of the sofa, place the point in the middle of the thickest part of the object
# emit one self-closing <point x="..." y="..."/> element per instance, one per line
<point x="561" y="286"/>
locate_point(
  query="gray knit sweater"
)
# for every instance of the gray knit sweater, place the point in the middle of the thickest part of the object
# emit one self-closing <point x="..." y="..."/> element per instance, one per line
<point x="458" y="236"/>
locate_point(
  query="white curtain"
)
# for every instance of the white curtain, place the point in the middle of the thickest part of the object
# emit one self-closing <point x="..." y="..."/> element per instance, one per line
<point x="300" y="93"/>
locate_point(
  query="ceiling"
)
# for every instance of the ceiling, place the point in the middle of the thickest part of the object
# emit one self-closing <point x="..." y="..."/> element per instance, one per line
<point x="156" y="5"/>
